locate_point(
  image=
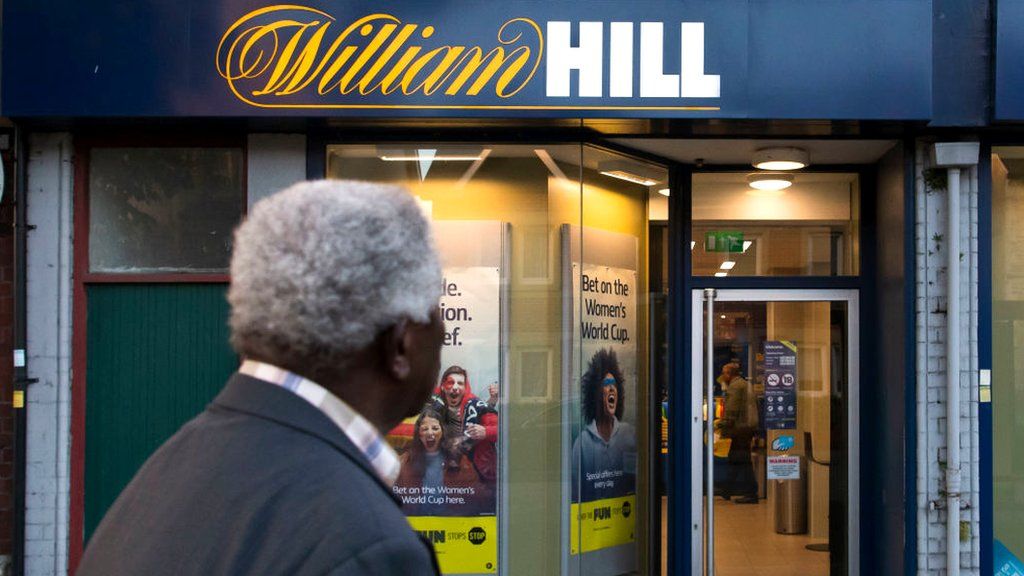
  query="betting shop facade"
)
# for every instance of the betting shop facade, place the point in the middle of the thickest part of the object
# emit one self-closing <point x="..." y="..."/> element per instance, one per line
<point x="698" y="261"/>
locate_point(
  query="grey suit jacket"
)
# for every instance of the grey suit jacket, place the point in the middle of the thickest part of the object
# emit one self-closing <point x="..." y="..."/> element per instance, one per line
<point x="261" y="482"/>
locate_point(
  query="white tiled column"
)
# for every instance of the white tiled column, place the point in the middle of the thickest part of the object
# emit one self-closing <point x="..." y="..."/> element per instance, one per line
<point x="48" y="351"/>
<point x="931" y="230"/>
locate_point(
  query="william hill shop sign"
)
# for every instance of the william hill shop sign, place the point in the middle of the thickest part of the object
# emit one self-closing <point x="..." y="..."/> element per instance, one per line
<point x="292" y="56"/>
<point x="512" y="58"/>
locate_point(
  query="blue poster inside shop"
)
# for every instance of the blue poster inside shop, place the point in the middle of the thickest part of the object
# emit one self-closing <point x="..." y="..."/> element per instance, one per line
<point x="1006" y="563"/>
<point x="780" y="385"/>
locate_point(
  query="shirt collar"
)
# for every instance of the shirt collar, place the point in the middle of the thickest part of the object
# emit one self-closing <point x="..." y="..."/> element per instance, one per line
<point x="359" y="430"/>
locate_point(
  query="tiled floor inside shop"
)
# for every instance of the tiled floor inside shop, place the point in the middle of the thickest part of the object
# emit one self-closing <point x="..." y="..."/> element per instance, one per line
<point x="746" y="544"/>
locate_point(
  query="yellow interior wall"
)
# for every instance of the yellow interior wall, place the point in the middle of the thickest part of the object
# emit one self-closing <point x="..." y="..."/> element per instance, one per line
<point x="1008" y="349"/>
<point x="809" y="325"/>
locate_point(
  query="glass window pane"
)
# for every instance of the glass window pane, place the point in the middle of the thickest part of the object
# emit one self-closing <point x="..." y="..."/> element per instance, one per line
<point x="808" y="229"/>
<point x="781" y="433"/>
<point x="501" y="216"/>
<point x="519" y="237"/>
<point x="613" y="441"/>
<point x="159" y="210"/>
<point x="1008" y="346"/>
<point x="658" y="289"/>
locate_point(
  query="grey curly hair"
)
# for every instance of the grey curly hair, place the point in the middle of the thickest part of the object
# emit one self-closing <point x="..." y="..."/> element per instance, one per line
<point x="321" y="268"/>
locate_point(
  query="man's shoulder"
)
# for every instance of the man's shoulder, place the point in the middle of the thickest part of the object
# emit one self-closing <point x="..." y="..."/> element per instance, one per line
<point x="256" y="483"/>
<point x="361" y="529"/>
<point x="228" y="435"/>
<point x="408" y="556"/>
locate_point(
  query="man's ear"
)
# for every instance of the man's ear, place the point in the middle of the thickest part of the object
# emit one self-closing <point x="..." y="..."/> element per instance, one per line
<point x="396" y="344"/>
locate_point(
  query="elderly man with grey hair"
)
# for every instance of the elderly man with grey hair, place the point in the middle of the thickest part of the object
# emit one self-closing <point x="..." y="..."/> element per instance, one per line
<point x="334" y="293"/>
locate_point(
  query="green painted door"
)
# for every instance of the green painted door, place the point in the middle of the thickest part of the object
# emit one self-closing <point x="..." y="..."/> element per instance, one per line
<point x="156" y="355"/>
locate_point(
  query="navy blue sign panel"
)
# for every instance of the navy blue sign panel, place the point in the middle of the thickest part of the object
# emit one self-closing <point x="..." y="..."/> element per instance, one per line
<point x="779" y="385"/>
<point x="1009" y="64"/>
<point x="812" y="59"/>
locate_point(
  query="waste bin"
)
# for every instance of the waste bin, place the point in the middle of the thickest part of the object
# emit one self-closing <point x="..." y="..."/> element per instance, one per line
<point x="791" y="503"/>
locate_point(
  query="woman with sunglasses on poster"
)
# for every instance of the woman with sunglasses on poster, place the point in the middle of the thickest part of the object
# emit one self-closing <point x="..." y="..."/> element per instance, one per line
<point x="604" y="454"/>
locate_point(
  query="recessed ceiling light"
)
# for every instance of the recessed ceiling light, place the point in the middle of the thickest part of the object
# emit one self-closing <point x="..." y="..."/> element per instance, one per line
<point x="727" y="265"/>
<point x="722" y="316"/>
<point x="781" y="158"/>
<point x="769" y="181"/>
<point x="436" y="158"/>
<point x="721" y="274"/>
<point x="664" y="192"/>
<point x="747" y="244"/>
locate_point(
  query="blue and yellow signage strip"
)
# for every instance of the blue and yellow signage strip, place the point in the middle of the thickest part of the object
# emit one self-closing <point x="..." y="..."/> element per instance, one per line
<point x="594" y="58"/>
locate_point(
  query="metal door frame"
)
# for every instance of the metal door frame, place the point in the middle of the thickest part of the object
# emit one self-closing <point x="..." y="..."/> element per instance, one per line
<point x="698" y="383"/>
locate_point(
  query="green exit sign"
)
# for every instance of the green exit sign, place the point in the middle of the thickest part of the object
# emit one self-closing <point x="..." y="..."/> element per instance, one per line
<point x="723" y="241"/>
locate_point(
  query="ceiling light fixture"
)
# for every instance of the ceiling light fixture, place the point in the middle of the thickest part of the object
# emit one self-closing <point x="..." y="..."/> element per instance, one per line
<point x="747" y="244"/>
<point x="781" y="158"/>
<point x="435" y="158"/>
<point x="664" y="192"/>
<point x="628" y="171"/>
<point x="721" y="274"/>
<point x="629" y="177"/>
<point x="769" y="181"/>
<point x="728" y="265"/>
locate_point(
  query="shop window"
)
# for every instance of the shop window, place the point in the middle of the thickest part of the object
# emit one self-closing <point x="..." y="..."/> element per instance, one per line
<point x="1008" y="351"/>
<point x="544" y="254"/>
<point x="163" y="210"/>
<point x="810" y="228"/>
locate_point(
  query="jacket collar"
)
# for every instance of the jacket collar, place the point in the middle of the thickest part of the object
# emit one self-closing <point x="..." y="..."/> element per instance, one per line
<point x="269" y="402"/>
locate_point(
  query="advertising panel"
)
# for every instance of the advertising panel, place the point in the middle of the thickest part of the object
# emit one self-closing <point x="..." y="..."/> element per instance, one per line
<point x="603" y="386"/>
<point x="451" y="470"/>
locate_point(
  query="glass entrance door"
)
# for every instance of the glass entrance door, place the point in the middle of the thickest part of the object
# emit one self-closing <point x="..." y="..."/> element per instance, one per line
<point x="773" y="397"/>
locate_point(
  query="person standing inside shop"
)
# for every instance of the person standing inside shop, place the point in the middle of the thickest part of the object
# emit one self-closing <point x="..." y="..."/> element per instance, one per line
<point x="334" y="310"/>
<point x="739" y="423"/>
